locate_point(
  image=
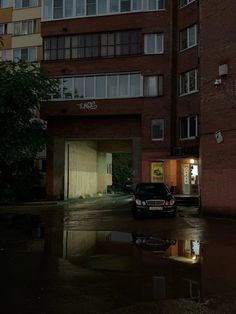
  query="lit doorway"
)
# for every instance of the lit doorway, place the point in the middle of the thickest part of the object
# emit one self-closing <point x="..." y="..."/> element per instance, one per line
<point x="190" y="178"/>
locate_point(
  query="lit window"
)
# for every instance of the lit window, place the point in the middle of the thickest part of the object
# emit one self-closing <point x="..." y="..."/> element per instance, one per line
<point x="157" y="129"/>
<point x="188" y="127"/>
<point x="153" y="86"/>
<point x="188" y="37"/>
<point x="153" y="43"/>
<point x="188" y="82"/>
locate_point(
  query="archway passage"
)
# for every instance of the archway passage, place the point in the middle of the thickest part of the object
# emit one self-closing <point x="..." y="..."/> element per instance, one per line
<point x="88" y="166"/>
<point x="80" y="160"/>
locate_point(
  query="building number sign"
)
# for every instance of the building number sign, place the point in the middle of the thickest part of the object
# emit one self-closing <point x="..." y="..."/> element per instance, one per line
<point x="90" y="105"/>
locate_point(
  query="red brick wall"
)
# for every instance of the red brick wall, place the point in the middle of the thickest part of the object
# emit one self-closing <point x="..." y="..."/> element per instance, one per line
<point x="187" y="60"/>
<point x="218" y="46"/>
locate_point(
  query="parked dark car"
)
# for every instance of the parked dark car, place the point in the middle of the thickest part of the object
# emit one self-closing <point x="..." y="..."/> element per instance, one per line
<point x="153" y="198"/>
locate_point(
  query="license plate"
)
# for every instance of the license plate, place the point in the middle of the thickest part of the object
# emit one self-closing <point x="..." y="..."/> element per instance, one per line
<point x="156" y="208"/>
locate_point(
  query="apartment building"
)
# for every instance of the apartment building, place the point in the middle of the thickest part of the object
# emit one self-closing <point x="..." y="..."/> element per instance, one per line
<point x="154" y="78"/>
<point x="128" y="73"/>
<point x="20" y="30"/>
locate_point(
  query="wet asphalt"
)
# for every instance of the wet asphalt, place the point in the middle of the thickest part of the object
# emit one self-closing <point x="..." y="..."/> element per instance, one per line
<point x="92" y="256"/>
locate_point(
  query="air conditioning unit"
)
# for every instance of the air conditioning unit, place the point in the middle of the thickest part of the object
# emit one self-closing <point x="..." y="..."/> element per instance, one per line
<point x="178" y="151"/>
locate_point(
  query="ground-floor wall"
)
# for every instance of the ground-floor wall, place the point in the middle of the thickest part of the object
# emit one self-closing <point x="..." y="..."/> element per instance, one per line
<point x="180" y="174"/>
<point x="81" y="168"/>
<point x="218" y="194"/>
<point x="218" y="174"/>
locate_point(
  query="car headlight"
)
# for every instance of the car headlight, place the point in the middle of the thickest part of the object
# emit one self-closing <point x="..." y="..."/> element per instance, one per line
<point x="143" y="203"/>
<point x="172" y="202"/>
<point x="138" y="202"/>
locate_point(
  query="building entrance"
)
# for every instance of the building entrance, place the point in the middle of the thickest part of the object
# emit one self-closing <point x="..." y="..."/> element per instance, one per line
<point x="190" y="177"/>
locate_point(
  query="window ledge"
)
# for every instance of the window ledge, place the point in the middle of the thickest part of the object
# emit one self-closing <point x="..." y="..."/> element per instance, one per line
<point x="188" y="138"/>
<point x="190" y="93"/>
<point x="184" y="6"/>
<point x="183" y="50"/>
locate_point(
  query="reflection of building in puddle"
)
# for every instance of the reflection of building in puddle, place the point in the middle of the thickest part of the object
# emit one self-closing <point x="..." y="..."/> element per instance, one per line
<point x="173" y="270"/>
<point x="160" y="268"/>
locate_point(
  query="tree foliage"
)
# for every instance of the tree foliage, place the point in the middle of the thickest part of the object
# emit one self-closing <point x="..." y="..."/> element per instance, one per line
<point x="23" y="87"/>
<point x="121" y="168"/>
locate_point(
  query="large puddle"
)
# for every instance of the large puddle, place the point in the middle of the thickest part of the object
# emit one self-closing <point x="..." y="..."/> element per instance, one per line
<point x="48" y="269"/>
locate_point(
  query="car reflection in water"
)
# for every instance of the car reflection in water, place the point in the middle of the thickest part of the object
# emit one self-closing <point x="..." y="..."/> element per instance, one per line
<point x="167" y="268"/>
<point x="105" y="270"/>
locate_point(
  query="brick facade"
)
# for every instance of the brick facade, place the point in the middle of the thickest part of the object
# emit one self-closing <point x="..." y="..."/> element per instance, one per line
<point x="130" y="117"/>
<point x="218" y="107"/>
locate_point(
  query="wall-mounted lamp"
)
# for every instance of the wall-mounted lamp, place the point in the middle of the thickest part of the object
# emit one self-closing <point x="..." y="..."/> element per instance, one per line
<point x="217" y="83"/>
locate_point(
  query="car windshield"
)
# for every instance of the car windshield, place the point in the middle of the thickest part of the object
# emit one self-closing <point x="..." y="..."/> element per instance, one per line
<point x="152" y="189"/>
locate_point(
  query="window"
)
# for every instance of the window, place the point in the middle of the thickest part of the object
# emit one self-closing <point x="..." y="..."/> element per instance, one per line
<point x="125" y="5"/>
<point x="57" y="9"/>
<point x="25" y="27"/>
<point x="4" y="4"/>
<point x="19" y="4"/>
<point x="157" y="129"/>
<point x="109" y="168"/>
<point x="6" y="54"/>
<point x="26" y="53"/>
<point x="100" y="86"/>
<point x="137" y="5"/>
<point x="188" y="82"/>
<point x="156" y="4"/>
<point x="153" y="86"/>
<point x="188" y="37"/>
<point x="183" y="3"/>
<point x="188" y="127"/>
<point x="92" y="45"/>
<point x="102" y="6"/>
<point x="153" y="43"/>
<point x="3" y="29"/>
<point x="90" y="7"/>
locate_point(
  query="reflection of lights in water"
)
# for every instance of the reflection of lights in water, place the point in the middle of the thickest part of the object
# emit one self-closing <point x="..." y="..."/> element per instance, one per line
<point x="195" y="247"/>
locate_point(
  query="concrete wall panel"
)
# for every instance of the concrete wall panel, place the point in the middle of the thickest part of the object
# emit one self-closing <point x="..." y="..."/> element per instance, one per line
<point x="27" y="41"/>
<point x="82" y="168"/>
<point x="26" y="14"/>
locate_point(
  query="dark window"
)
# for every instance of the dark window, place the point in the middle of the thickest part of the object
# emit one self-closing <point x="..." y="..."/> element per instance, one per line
<point x="188" y="127"/>
<point x="125" y="5"/>
<point x="92" y="45"/>
<point x="91" y="7"/>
